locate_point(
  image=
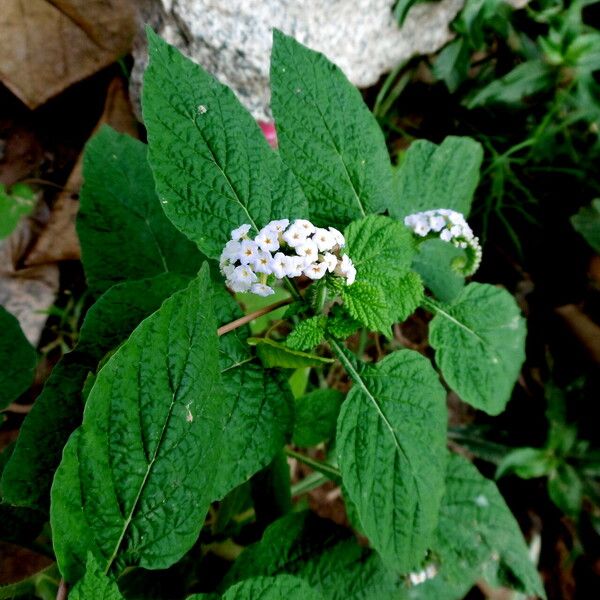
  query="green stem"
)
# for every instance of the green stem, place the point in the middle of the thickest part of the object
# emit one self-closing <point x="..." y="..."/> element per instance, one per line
<point x="329" y="471"/>
<point x="292" y="289"/>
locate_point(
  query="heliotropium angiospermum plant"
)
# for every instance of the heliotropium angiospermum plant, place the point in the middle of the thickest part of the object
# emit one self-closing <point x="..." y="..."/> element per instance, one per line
<point x="182" y="442"/>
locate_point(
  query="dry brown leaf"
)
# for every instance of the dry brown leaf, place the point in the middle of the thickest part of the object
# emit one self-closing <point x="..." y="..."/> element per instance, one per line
<point x="58" y="241"/>
<point x="48" y="45"/>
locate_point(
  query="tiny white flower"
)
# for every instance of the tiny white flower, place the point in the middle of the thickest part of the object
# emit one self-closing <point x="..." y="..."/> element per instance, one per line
<point x="340" y="240"/>
<point x="421" y="228"/>
<point x="231" y="251"/>
<point x="295" y="236"/>
<point x="280" y="264"/>
<point x="261" y="289"/>
<point x="347" y="269"/>
<point x="455" y="218"/>
<point x="262" y="262"/>
<point x="309" y="250"/>
<point x="241" y="232"/>
<point x="330" y="260"/>
<point x="456" y="231"/>
<point x="295" y="266"/>
<point x="278" y="225"/>
<point x="315" y="270"/>
<point x="437" y="222"/>
<point x="243" y="274"/>
<point x="446" y="236"/>
<point x="248" y="252"/>
<point x="305" y="225"/>
<point x="324" y="239"/>
<point x="267" y="239"/>
<point x="227" y="270"/>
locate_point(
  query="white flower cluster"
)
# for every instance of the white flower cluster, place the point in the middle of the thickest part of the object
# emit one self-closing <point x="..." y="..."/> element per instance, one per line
<point x="283" y="250"/>
<point x="449" y="226"/>
<point x="418" y="577"/>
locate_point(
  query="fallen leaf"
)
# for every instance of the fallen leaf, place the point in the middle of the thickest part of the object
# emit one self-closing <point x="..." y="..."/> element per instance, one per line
<point x="583" y="328"/>
<point x="47" y="45"/>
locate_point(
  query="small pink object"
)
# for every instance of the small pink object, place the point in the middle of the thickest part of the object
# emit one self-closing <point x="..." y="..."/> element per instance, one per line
<point x="268" y="128"/>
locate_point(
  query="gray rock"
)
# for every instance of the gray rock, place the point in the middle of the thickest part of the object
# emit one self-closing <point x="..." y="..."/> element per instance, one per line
<point x="232" y="39"/>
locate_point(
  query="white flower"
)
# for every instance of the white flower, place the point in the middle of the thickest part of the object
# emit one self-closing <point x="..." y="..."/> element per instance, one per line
<point x="315" y="270"/>
<point x="421" y="228"/>
<point x="347" y="269"/>
<point x="330" y="260"/>
<point x="296" y="266"/>
<point x="261" y="289"/>
<point x="304" y="225"/>
<point x="231" y="251"/>
<point x="295" y="236"/>
<point x="227" y="269"/>
<point x="248" y="252"/>
<point x="340" y="240"/>
<point x="437" y="222"/>
<point x="309" y="250"/>
<point x="278" y="225"/>
<point x="242" y="279"/>
<point x="280" y="265"/>
<point x="267" y="239"/>
<point x="456" y="231"/>
<point x="262" y="262"/>
<point x="324" y="239"/>
<point x="241" y="232"/>
<point x="446" y="236"/>
<point x="455" y="218"/>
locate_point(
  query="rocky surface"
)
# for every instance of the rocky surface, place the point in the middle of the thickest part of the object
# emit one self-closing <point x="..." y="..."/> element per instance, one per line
<point x="232" y="39"/>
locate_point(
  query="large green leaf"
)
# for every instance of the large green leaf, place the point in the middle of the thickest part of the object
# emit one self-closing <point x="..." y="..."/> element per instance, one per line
<point x="432" y="176"/>
<point x="58" y="409"/>
<point x="213" y="167"/>
<point x="391" y="439"/>
<point x="17" y="359"/>
<point x="478" y="535"/>
<point x="122" y="228"/>
<point x="327" y="135"/>
<point x="148" y="448"/>
<point x="316" y="416"/>
<point x="479" y="343"/>
<point x="326" y="555"/>
<point x="271" y="588"/>
<point x="385" y="290"/>
<point x="95" y="585"/>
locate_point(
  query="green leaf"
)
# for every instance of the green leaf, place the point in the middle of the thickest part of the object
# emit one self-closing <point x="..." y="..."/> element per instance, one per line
<point x="213" y="167"/>
<point x="58" y="409"/>
<point x="17" y="203"/>
<point x="526" y="79"/>
<point x="477" y="533"/>
<point x="479" y="343"/>
<point x="527" y="463"/>
<point x="148" y="448"/>
<point x="17" y="359"/>
<point x="587" y="223"/>
<point x="316" y="416"/>
<point x="432" y="176"/>
<point x="566" y="489"/>
<point x="95" y="585"/>
<point x="340" y="324"/>
<point x="452" y="64"/>
<point x="327" y="135"/>
<point x="271" y="588"/>
<point x="433" y="262"/>
<point x="273" y="354"/>
<point x="326" y="555"/>
<point x="307" y="334"/>
<point x="385" y="291"/>
<point x="123" y="231"/>
<point x="391" y="438"/>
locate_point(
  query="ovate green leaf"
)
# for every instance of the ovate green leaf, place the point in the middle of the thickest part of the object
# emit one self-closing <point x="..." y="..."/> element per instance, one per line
<point x="58" y="409"/>
<point x="17" y="359"/>
<point x="148" y="448"/>
<point x="385" y="290"/>
<point x="271" y="588"/>
<point x="213" y="168"/>
<point x="432" y="176"/>
<point x="273" y="354"/>
<point x="95" y="585"/>
<point x="122" y="228"/>
<point x="477" y="533"/>
<point x="307" y="334"/>
<point x="327" y="135"/>
<point x="391" y="438"/>
<point x="326" y="555"/>
<point x="479" y="343"/>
